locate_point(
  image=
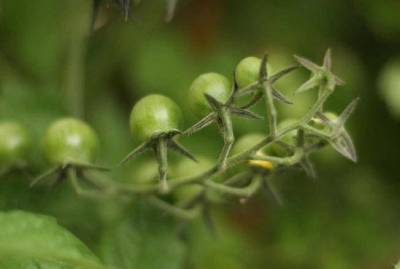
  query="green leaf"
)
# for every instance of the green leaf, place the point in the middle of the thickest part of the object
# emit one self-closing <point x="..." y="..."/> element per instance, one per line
<point x="142" y="242"/>
<point x="36" y="241"/>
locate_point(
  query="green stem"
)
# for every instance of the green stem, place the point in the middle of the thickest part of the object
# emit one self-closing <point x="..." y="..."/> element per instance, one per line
<point x="271" y="110"/>
<point x="229" y="138"/>
<point x="239" y="178"/>
<point x="162" y="158"/>
<point x="286" y="161"/>
<point x="71" y="172"/>
<point x="74" y="77"/>
<point x="78" y="20"/>
<point x="315" y="131"/>
<point x="242" y="192"/>
<point x="186" y="214"/>
<point x="317" y="106"/>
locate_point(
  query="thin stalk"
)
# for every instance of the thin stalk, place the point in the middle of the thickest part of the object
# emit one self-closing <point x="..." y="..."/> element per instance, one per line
<point x="186" y="214"/>
<point x="71" y="172"/>
<point x="162" y="159"/>
<point x="271" y="110"/>
<point x="79" y="21"/>
<point x="242" y="192"/>
<point x="74" y="77"/>
<point x="317" y="106"/>
<point x="229" y="138"/>
<point x="315" y="131"/>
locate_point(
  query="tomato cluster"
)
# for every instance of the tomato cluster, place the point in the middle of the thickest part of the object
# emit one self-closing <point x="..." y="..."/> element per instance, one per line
<point x="243" y="166"/>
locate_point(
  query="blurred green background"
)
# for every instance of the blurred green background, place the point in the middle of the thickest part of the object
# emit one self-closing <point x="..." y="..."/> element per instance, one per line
<point x="349" y="218"/>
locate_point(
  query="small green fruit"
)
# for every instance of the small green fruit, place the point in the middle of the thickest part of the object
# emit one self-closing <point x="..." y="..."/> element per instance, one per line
<point x="213" y="84"/>
<point x="14" y="143"/>
<point x="248" y="71"/>
<point x="70" y="140"/>
<point x="154" y="115"/>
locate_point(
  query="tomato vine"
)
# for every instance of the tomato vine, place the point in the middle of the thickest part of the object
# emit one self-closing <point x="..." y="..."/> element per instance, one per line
<point x="241" y="172"/>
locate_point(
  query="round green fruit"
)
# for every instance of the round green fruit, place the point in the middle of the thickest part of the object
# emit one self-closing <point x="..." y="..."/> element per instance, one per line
<point x="154" y="115"/>
<point x="213" y="84"/>
<point x="70" y="140"/>
<point x="248" y="71"/>
<point x="14" y="143"/>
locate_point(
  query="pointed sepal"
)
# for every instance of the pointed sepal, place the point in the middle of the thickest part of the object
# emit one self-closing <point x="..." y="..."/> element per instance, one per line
<point x="314" y="68"/>
<point x="269" y="188"/>
<point x="52" y="171"/>
<point x="142" y="148"/>
<point x="308" y="167"/>
<point x="280" y="97"/>
<point x="313" y="82"/>
<point x="263" y="73"/>
<point x="179" y="148"/>
<point x="214" y="103"/>
<point x="244" y="113"/>
<point x="204" y="122"/>
<point x="344" y="145"/>
<point x="275" y="77"/>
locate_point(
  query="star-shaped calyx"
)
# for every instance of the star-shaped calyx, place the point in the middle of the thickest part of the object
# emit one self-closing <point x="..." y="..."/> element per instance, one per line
<point x="76" y="173"/>
<point x="339" y="138"/>
<point x="160" y="144"/>
<point x="320" y="75"/>
<point x="256" y="87"/>
<point x="221" y="115"/>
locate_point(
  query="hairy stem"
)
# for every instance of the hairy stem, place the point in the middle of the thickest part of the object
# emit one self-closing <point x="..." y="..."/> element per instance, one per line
<point x="271" y="110"/>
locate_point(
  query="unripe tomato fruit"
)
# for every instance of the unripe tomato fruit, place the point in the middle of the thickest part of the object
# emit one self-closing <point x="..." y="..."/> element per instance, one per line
<point x="248" y="71"/>
<point x="214" y="84"/>
<point x="154" y="115"/>
<point x="70" y="140"/>
<point x="14" y="143"/>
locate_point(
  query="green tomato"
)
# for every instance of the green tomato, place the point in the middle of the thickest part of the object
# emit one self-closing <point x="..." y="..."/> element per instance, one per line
<point x="70" y="140"/>
<point x="154" y="115"/>
<point x="248" y="71"/>
<point x="14" y="143"/>
<point x="214" y="84"/>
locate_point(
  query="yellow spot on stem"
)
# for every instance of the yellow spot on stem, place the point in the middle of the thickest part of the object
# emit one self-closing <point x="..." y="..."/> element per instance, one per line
<point x="266" y="165"/>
